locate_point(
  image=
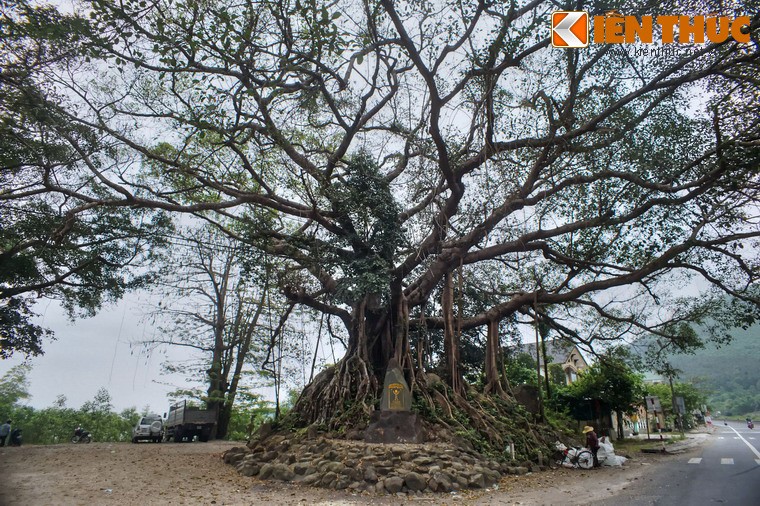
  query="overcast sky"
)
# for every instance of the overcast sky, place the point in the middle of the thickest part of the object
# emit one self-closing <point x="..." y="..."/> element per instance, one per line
<point x="95" y="353"/>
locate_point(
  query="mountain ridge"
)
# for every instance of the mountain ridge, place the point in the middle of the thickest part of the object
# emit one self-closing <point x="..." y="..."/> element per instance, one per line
<point x="728" y="373"/>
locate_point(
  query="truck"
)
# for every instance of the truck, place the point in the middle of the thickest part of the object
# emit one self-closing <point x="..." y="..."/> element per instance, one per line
<point x="185" y="422"/>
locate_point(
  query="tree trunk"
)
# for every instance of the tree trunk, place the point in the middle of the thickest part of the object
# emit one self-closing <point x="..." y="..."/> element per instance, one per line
<point x="343" y="396"/>
<point x="451" y="338"/>
<point x="538" y="369"/>
<point x="620" y="431"/>
<point x="546" y="367"/>
<point x="493" y="378"/>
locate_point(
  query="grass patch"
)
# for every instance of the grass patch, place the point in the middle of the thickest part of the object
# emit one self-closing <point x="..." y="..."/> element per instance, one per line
<point x="632" y="446"/>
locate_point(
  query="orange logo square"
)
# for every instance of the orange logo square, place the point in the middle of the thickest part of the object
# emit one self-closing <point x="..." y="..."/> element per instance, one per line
<point x="570" y="29"/>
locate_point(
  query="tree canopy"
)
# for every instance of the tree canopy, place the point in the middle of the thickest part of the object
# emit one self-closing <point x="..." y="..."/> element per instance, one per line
<point x="59" y="236"/>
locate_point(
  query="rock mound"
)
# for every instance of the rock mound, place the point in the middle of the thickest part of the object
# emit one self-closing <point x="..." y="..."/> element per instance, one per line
<point x="371" y="468"/>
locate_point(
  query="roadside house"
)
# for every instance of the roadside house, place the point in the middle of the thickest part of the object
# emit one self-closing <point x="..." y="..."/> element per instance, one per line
<point x="561" y="352"/>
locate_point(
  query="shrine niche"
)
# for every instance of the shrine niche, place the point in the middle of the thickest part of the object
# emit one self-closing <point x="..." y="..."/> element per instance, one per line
<point x="395" y="422"/>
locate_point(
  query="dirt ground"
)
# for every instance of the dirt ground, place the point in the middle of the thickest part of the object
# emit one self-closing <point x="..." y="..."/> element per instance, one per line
<point x="194" y="474"/>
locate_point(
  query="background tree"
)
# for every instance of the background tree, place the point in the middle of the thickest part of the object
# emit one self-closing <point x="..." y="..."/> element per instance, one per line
<point x="611" y="381"/>
<point x="248" y="413"/>
<point x="520" y="369"/>
<point x="14" y="388"/>
<point x="400" y="149"/>
<point x="217" y="301"/>
<point x="59" y="239"/>
<point x="694" y="399"/>
<point x="56" y="424"/>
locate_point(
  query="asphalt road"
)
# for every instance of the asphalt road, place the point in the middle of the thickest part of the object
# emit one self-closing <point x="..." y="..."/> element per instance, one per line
<point x="725" y="470"/>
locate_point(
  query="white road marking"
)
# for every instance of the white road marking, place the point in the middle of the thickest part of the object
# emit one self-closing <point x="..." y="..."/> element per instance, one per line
<point x="721" y="437"/>
<point x="727" y="461"/>
<point x="754" y="450"/>
<point x="695" y="460"/>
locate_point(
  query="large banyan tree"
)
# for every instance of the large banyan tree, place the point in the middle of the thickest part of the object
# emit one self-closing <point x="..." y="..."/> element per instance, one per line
<point x="422" y="169"/>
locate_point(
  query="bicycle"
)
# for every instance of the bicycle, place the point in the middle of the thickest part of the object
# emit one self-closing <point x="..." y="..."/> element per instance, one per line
<point x="577" y="458"/>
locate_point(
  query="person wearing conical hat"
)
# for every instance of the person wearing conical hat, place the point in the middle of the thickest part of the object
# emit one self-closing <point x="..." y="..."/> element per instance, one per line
<point x="592" y="442"/>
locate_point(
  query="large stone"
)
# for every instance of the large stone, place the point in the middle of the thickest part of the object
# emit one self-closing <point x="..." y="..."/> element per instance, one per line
<point x="336" y="467"/>
<point x="274" y="441"/>
<point x="300" y="468"/>
<point x="249" y="469"/>
<point x="354" y="435"/>
<point x="311" y="479"/>
<point x="342" y="483"/>
<point x="370" y="475"/>
<point x="263" y="431"/>
<point x="394" y="484"/>
<point x="235" y="455"/>
<point x="394" y="427"/>
<point x="415" y="481"/>
<point x="492" y="477"/>
<point x="268" y="456"/>
<point x="383" y="469"/>
<point x="266" y="471"/>
<point x="477" y="481"/>
<point x="282" y="472"/>
<point x="356" y="474"/>
<point x="328" y="480"/>
<point x="423" y="461"/>
<point x="492" y="464"/>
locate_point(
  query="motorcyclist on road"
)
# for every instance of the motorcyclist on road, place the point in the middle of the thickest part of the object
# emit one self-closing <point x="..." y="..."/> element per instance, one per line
<point x="80" y="434"/>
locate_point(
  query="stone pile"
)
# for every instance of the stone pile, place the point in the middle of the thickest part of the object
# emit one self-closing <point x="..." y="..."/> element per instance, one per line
<point x="369" y="468"/>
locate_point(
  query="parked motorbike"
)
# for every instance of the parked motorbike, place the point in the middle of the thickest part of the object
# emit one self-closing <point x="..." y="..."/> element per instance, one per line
<point x="16" y="438"/>
<point x="81" y="436"/>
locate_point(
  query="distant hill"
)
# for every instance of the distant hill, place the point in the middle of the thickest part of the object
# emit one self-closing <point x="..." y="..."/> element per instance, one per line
<point x="731" y="373"/>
